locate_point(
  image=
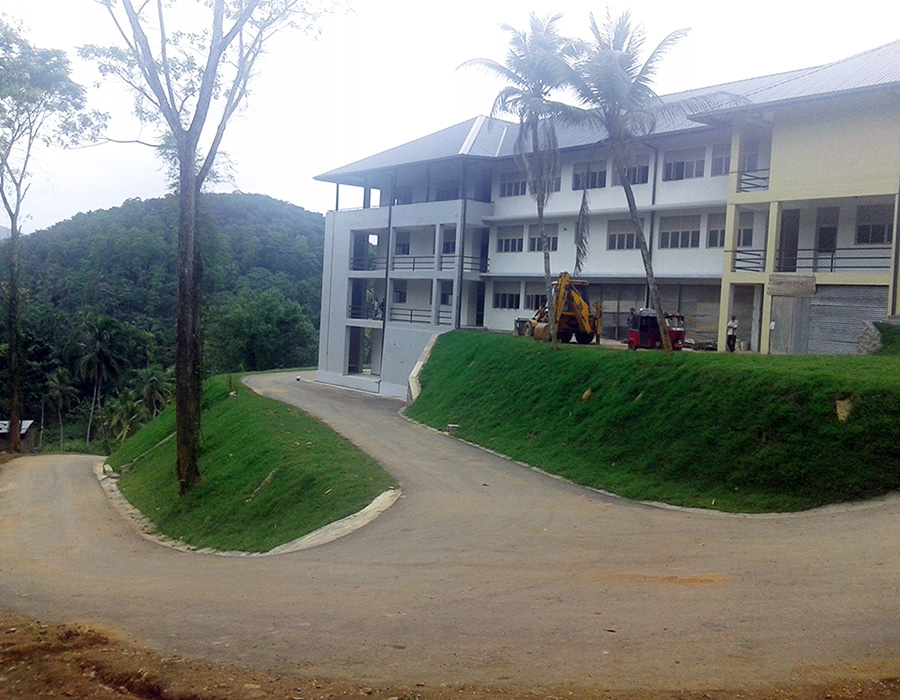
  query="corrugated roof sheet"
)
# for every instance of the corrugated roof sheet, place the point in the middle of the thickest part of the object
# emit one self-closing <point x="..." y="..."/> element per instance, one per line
<point x="486" y="137"/>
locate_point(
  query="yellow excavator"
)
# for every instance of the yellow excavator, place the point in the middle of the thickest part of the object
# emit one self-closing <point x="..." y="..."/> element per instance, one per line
<point x="573" y="313"/>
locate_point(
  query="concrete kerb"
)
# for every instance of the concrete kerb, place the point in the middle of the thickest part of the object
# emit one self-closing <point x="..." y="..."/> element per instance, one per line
<point x="108" y="481"/>
<point x="413" y="386"/>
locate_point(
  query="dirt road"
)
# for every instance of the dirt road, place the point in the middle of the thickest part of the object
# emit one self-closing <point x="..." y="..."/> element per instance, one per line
<point x="483" y="572"/>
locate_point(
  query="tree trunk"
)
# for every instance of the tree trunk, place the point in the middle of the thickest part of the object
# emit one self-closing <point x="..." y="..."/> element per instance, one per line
<point x="645" y="253"/>
<point x="187" y="345"/>
<point x="15" y="345"/>
<point x="548" y="280"/>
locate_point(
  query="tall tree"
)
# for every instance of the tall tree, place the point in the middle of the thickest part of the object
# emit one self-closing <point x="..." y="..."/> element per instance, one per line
<point x="186" y="79"/>
<point x="61" y="393"/>
<point x="39" y="103"/>
<point x="535" y="68"/>
<point x="100" y="358"/>
<point x="615" y="90"/>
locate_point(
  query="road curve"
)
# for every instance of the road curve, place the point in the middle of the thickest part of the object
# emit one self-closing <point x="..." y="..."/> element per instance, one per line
<point x="483" y="571"/>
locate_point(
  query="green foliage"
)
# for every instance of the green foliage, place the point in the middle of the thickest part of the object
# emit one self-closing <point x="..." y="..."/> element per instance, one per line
<point x="259" y="330"/>
<point x="890" y="338"/>
<point x="314" y="476"/>
<point x="735" y="432"/>
<point x="117" y="268"/>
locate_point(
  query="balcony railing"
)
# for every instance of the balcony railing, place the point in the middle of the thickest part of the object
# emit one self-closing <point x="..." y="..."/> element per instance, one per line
<point x="838" y="260"/>
<point x="368" y="263"/>
<point x="749" y="260"/>
<point x="475" y="263"/>
<point x="413" y="262"/>
<point x="752" y="180"/>
<point x="365" y="311"/>
<point x="411" y="315"/>
<point x="812" y="260"/>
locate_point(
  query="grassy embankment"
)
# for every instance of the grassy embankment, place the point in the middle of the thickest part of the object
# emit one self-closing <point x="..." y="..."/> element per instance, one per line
<point x="743" y="433"/>
<point x="271" y="473"/>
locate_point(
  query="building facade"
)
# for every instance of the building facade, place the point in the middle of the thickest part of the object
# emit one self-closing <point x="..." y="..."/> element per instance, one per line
<point x="780" y="209"/>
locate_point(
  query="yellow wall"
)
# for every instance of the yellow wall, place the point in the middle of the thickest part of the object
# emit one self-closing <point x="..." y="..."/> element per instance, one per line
<point x="836" y="149"/>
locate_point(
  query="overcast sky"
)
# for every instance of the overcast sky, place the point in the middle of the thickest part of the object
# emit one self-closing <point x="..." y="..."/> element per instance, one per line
<point x="387" y="73"/>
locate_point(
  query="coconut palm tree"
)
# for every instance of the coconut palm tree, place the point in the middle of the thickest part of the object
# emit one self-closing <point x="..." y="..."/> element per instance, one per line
<point x="100" y="359"/>
<point x="535" y="69"/>
<point x="155" y="388"/>
<point x="124" y="414"/>
<point x="614" y="88"/>
<point x="61" y="393"/>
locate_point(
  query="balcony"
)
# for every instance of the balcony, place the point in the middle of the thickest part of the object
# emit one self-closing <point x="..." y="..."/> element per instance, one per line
<point x="837" y="260"/>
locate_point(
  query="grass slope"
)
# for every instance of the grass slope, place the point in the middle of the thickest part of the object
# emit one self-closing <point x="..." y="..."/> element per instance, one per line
<point x="271" y="473"/>
<point x="744" y="433"/>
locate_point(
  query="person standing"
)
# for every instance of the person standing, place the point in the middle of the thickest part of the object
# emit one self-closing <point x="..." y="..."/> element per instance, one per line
<point x="731" y="333"/>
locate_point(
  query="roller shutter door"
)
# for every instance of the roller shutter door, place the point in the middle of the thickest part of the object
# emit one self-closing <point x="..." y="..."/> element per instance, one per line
<point x="836" y="316"/>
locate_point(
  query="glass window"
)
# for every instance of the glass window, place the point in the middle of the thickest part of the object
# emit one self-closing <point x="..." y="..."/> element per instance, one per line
<point x="874" y="223"/>
<point x="679" y="231"/>
<point x="621" y="235"/>
<point x="512" y="185"/>
<point x="721" y="159"/>
<point x="684" y="164"/>
<point x="589" y="176"/>
<point x="715" y="231"/>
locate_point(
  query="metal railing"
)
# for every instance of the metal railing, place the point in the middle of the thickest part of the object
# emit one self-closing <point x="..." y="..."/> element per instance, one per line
<point x="749" y="260"/>
<point x="475" y="263"/>
<point x="445" y="318"/>
<point x="368" y="263"/>
<point x="365" y="311"/>
<point x="839" y="259"/>
<point x="410" y="315"/>
<point x="413" y="262"/>
<point x="752" y="180"/>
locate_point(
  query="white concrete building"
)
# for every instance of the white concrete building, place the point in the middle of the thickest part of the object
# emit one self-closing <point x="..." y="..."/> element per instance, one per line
<point x="781" y="210"/>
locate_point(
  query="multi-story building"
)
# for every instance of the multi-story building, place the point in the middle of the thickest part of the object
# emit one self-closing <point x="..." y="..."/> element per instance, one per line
<point x="779" y="208"/>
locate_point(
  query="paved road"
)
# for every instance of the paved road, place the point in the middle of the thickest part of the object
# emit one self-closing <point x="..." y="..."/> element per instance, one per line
<point x="483" y="571"/>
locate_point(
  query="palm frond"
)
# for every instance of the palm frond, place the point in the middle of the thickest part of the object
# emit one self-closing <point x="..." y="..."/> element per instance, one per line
<point x="582" y="233"/>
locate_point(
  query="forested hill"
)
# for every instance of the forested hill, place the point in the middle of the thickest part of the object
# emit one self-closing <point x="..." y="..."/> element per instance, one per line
<point x="261" y="274"/>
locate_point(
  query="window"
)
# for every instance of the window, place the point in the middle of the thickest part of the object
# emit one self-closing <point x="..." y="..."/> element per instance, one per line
<point x="874" y="223"/>
<point x="638" y="172"/>
<point x="534" y="302"/>
<point x="589" y="176"/>
<point x="449" y="246"/>
<point x="721" y="159"/>
<point x="401" y="245"/>
<point x="509" y="239"/>
<point x="679" y="231"/>
<point x="512" y="185"/>
<point x="504" y="300"/>
<point x="552" y="185"/>
<point x="534" y="237"/>
<point x="684" y="165"/>
<point x="446" y="293"/>
<point x="715" y="231"/>
<point x="745" y="230"/>
<point x="620" y="235"/>
<point x="399" y="296"/>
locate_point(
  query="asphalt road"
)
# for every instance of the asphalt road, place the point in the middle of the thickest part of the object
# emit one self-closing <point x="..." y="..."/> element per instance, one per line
<point x="483" y="571"/>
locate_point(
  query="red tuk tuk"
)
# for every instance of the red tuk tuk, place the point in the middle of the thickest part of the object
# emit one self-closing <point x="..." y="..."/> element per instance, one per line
<point x="644" y="330"/>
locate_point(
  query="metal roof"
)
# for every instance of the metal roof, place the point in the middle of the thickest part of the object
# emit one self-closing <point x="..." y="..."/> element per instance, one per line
<point x="23" y="426"/>
<point x="486" y="137"/>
